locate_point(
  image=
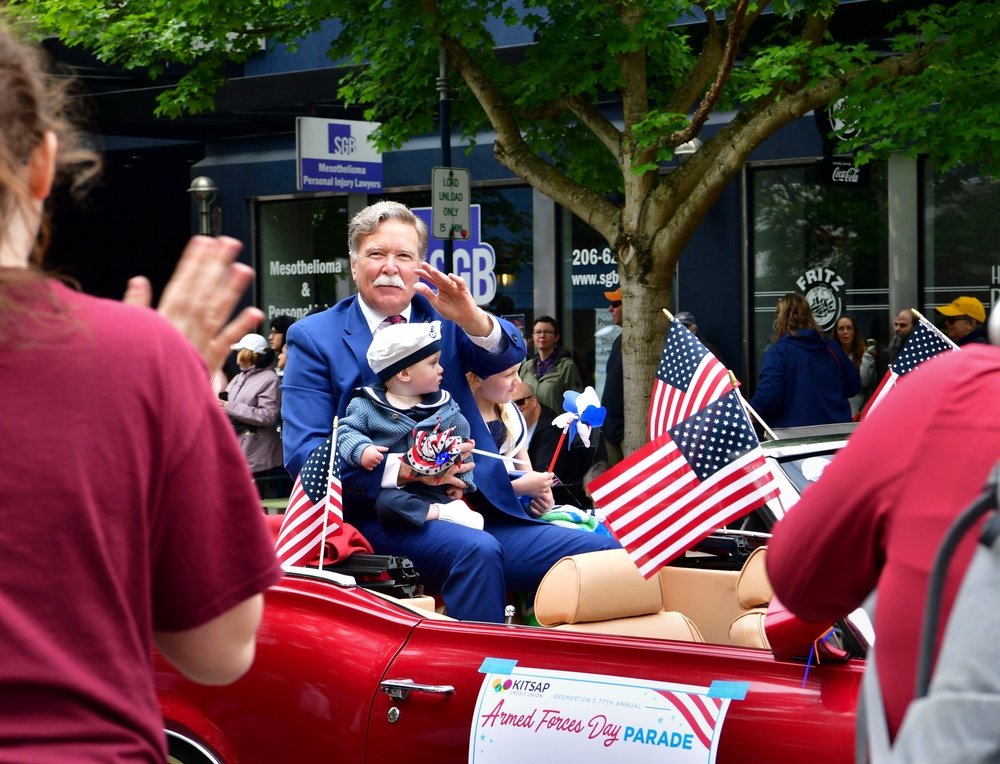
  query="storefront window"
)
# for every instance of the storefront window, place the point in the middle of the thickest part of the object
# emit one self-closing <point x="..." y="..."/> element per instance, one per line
<point x="961" y="235"/>
<point x="302" y="255"/>
<point x="829" y="243"/>
<point x="588" y="270"/>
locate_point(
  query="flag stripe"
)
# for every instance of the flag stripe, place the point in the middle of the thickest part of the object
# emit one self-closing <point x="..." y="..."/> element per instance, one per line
<point x="679" y="391"/>
<point x="884" y="387"/>
<point x="657" y="530"/>
<point x="683" y="499"/>
<point x="650" y="561"/>
<point x="309" y="522"/>
<point x="670" y="405"/>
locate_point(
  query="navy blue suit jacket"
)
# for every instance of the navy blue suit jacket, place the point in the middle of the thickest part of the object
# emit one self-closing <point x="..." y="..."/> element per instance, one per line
<point x="327" y="360"/>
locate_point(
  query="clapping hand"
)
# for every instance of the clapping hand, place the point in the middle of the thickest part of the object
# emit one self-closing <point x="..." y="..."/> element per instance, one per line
<point x="201" y="295"/>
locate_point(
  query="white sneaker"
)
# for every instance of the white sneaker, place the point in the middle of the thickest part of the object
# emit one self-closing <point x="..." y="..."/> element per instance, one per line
<point x="459" y="512"/>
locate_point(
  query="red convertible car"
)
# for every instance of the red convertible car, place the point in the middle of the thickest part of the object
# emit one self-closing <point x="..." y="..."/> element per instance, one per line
<point x="674" y="668"/>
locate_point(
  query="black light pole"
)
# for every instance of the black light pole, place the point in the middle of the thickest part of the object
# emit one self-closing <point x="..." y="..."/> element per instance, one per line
<point x="445" y="113"/>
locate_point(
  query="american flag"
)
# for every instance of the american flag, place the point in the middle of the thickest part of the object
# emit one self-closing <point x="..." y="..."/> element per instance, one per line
<point x="925" y="341"/>
<point x="315" y="508"/>
<point x="694" y="478"/>
<point x="687" y="379"/>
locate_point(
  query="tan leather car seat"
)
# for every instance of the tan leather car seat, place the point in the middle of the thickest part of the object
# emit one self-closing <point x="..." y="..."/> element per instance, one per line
<point x="604" y="592"/>
<point x="753" y="594"/>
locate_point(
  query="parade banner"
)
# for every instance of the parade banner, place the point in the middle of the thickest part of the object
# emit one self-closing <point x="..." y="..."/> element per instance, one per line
<point x="561" y="716"/>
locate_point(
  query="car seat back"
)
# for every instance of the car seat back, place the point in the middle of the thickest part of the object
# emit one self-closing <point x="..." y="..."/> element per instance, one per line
<point x="605" y="592"/>
<point x="707" y="597"/>
<point x="753" y="595"/>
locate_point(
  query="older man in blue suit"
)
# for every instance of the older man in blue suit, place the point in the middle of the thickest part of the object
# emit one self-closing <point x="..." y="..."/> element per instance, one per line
<point x="472" y="569"/>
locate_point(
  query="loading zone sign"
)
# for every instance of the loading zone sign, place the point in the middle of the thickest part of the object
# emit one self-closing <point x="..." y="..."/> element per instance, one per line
<point x="450" y="203"/>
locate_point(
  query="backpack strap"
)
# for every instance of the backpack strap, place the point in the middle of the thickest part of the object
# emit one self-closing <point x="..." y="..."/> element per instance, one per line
<point x="872" y="730"/>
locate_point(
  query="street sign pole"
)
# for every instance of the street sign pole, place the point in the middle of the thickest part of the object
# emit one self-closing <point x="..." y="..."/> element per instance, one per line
<point x="445" y="115"/>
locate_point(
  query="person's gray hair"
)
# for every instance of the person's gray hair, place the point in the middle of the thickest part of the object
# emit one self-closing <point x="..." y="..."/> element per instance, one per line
<point x="371" y="217"/>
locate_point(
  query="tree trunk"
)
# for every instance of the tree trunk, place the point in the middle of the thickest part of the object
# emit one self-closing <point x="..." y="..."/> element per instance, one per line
<point x="644" y="330"/>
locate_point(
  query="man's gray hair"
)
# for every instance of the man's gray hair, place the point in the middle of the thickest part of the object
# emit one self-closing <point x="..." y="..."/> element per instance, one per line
<point x="371" y="217"/>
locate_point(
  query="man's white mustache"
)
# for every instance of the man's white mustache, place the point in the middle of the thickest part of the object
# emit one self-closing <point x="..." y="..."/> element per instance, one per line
<point x="389" y="281"/>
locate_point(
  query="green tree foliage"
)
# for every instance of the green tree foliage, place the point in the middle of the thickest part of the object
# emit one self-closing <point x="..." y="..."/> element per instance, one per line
<point x="591" y="113"/>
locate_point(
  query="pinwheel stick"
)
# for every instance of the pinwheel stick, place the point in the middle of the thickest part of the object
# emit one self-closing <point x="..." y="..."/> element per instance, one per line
<point x="555" y="455"/>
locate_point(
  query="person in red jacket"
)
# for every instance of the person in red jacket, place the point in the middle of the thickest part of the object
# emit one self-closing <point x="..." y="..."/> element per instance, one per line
<point x="878" y="514"/>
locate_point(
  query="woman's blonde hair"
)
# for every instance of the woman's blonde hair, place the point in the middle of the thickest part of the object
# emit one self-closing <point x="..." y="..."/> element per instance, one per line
<point x="502" y="412"/>
<point x="793" y="314"/>
<point x="247" y="358"/>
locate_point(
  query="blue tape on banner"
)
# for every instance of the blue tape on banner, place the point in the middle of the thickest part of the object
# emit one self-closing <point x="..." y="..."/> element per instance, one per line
<point x="731" y="690"/>
<point x="497" y="666"/>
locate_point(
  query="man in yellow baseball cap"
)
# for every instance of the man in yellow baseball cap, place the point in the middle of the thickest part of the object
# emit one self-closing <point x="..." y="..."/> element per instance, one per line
<point x="964" y="319"/>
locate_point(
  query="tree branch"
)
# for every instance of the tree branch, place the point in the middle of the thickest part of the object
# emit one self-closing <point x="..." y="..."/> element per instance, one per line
<point x="597" y="123"/>
<point x="513" y="153"/>
<point x="733" y="38"/>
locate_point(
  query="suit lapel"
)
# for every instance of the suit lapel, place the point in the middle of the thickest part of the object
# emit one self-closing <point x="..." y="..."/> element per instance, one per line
<point x="359" y="337"/>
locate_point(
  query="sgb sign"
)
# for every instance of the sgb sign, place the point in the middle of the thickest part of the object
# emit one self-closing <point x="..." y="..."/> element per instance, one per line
<point x="474" y="260"/>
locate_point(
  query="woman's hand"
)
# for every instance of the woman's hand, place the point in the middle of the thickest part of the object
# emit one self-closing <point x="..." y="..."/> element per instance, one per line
<point x="542" y="503"/>
<point x="532" y="484"/>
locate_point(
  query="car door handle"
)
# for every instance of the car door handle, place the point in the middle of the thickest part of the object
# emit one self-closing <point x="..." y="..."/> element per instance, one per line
<point x="400" y="688"/>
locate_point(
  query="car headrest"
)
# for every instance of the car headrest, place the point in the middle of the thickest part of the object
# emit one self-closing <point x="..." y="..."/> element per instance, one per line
<point x="596" y="586"/>
<point x="753" y="588"/>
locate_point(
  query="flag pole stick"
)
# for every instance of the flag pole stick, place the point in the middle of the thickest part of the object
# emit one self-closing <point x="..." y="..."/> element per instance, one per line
<point x="329" y="482"/>
<point x="668" y="314"/>
<point x="750" y="410"/>
<point x="498" y="456"/>
<point x="555" y="454"/>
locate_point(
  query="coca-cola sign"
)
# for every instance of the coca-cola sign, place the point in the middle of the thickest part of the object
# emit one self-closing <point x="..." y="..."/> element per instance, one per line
<point x="840" y="171"/>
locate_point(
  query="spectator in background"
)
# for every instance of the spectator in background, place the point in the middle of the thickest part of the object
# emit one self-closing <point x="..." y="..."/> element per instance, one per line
<point x="902" y="326"/>
<point x="596" y="470"/>
<point x="551" y="370"/>
<point x="279" y="365"/>
<point x="862" y="355"/>
<point x="805" y="378"/>
<point x="964" y="319"/>
<point x="129" y="520"/>
<point x="687" y="319"/>
<point x="613" y="398"/>
<point x="279" y="328"/>
<point x="253" y="403"/>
